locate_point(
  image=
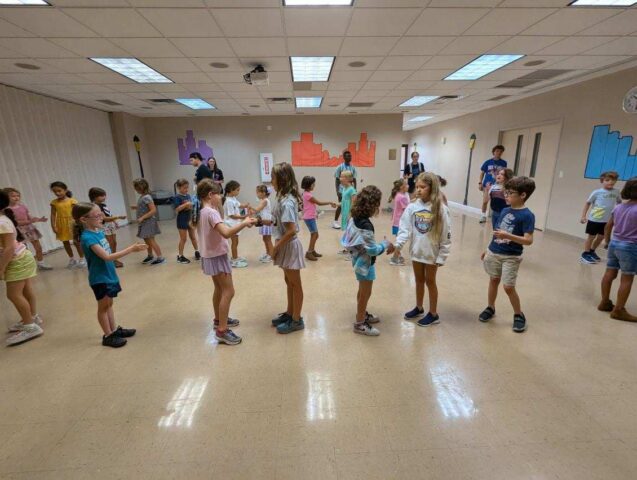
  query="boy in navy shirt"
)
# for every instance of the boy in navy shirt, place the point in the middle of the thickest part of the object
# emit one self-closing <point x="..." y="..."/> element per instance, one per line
<point x="487" y="177"/>
<point x="504" y="255"/>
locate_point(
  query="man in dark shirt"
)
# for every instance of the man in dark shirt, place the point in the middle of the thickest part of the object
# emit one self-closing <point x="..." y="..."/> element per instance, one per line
<point x="196" y="160"/>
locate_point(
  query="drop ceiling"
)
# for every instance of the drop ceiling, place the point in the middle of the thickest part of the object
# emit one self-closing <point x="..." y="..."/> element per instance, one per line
<point x="407" y="46"/>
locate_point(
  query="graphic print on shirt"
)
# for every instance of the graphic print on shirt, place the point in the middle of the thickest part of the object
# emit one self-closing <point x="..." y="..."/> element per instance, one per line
<point x="423" y="221"/>
<point x="600" y="208"/>
<point x="105" y="245"/>
<point x="506" y="225"/>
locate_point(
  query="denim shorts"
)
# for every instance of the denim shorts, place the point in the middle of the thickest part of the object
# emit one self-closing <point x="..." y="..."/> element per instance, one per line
<point x="622" y="256"/>
<point x="311" y="225"/>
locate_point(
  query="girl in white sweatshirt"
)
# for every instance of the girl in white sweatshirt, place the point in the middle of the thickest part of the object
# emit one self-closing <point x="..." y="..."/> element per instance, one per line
<point x="426" y="224"/>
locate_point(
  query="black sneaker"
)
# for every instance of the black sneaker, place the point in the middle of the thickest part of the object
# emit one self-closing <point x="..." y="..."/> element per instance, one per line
<point x="182" y="259"/>
<point x="281" y="318"/>
<point x="486" y="315"/>
<point x="429" y="319"/>
<point x="197" y="255"/>
<point x="124" y="332"/>
<point x="148" y="259"/>
<point x="415" y="314"/>
<point x="594" y="256"/>
<point x="159" y="261"/>
<point x="519" y="323"/>
<point x="113" y="341"/>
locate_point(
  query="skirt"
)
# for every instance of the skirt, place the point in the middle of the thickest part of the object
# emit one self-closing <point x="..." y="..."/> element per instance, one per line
<point x="265" y="230"/>
<point x="30" y="233"/>
<point x="64" y="227"/>
<point x="21" y="268"/>
<point x="291" y="256"/>
<point x="148" y="229"/>
<point x="216" y="265"/>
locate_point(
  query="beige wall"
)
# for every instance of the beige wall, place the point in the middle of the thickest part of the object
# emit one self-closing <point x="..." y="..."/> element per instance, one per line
<point x="237" y="142"/>
<point x="579" y="108"/>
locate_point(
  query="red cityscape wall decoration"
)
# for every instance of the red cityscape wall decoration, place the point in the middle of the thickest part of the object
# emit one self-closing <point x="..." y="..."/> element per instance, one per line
<point x="306" y="153"/>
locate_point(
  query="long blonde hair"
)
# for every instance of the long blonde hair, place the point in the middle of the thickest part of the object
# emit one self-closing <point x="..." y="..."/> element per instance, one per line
<point x="437" y="201"/>
<point x="286" y="181"/>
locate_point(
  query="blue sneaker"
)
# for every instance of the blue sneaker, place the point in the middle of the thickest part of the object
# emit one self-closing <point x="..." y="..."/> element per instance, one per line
<point x="290" y="326"/>
<point x="587" y="259"/>
<point x="594" y="256"/>
<point x="429" y="319"/>
<point x="228" y="337"/>
<point x="519" y="323"/>
<point x="415" y="314"/>
<point x="281" y="318"/>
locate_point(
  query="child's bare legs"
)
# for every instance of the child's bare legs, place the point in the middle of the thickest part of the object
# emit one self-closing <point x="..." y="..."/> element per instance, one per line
<point x="295" y="293"/>
<point x="625" y="285"/>
<point x="37" y="246"/>
<point x="182" y="241"/>
<point x="149" y="248"/>
<point x="313" y="238"/>
<point x="267" y="241"/>
<point x="607" y="282"/>
<point x="16" y="295"/>
<point x="290" y="294"/>
<point x="234" y="246"/>
<point x="67" y="248"/>
<point x="193" y="238"/>
<point x="514" y="298"/>
<point x="153" y="246"/>
<point x="597" y="241"/>
<point x="29" y="294"/>
<point x="362" y="298"/>
<point x="430" y="281"/>
<point x="78" y="247"/>
<point x="494" y="283"/>
<point x="105" y="315"/>
<point x="419" y="273"/>
<point x="216" y="297"/>
<point x="222" y="296"/>
<point x="112" y="242"/>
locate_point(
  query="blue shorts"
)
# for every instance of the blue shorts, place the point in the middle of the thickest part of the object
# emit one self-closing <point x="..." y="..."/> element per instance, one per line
<point x="371" y="274"/>
<point x="109" y="290"/>
<point x="311" y="225"/>
<point x="183" y="223"/>
<point x="394" y="231"/>
<point x="622" y="256"/>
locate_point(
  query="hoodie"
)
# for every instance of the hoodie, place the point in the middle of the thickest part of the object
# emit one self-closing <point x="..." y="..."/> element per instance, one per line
<point x="358" y="239"/>
<point x="416" y="225"/>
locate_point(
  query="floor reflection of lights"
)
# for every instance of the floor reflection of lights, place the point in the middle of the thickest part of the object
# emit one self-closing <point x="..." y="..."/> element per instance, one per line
<point x="452" y="398"/>
<point x="184" y="404"/>
<point x="320" y="398"/>
<point x="318" y="330"/>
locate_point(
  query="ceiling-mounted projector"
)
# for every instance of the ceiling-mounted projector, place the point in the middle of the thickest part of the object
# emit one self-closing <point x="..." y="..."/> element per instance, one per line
<point x="257" y="77"/>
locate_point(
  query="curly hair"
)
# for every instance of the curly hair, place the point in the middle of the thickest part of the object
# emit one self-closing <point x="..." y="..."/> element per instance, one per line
<point x="367" y="202"/>
<point x="629" y="192"/>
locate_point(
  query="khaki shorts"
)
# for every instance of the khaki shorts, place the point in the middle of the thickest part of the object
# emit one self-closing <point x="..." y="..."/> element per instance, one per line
<point x="502" y="266"/>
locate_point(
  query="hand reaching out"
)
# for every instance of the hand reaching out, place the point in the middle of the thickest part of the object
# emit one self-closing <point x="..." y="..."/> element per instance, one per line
<point x="138" y="247"/>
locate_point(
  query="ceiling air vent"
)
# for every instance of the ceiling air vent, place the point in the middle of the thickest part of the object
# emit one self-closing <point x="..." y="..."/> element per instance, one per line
<point x="301" y="86"/>
<point x="445" y="99"/>
<point x="109" y="102"/>
<point x="533" y="77"/>
<point x="499" y="97"/>
<point x="162" y="101"/>
<point x="279" y="100"/>
<point x="360" y="104"/>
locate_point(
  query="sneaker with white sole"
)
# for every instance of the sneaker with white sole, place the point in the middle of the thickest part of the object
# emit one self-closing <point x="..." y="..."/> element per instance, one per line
<point x="19" y="326"/>
<point x="158" y="261"/>
<point x="371" y="318"/>
<point x="72" y="263"/>
<point x="483" y="219"/>
<point x="336" y="225"/>
<point x="43" y="266"/>
<point x="265" y="258"/>
<point x="366" y="329"/>
<point x="28" y="332"/>
<point x="228" y="337"/>
<point x="81" y="263"/>
<point x="238" y="263"/>
<point x="148" y="260"/>
<point x="396" y="262"/>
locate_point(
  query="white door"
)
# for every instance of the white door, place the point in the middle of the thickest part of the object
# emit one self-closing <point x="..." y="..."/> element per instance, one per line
<point x="532" y="152"/>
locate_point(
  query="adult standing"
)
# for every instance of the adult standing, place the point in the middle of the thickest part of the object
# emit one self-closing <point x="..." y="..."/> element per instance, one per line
<point x="217" y="174"/>
<point x="345" y="166"/>
<point x="412" y="170"/>
<point x="487" y="177"/>
<point x="196" y="160"/>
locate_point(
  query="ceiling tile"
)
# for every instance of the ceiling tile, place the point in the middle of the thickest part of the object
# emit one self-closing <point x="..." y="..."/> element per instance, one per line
<point x="390" y="75"/>
<point x="382" y="21"/>
<point x="256" y="47"/>
<point x="621" y="24"/>
<point x="371" y="63"/>
<point x="147" y="47"/>
<point x="429" y="74"/>
<point x="9" y="30"/>
<point x="534" y="3"/>
<point x="167" y="3"/>
<point x="420" y="45"/>
<point x="350" y="76"/>
<point x="203" y="87"/>
<point x="464" y="3"/>
<point x="241" y="22"/>
<point x="574" y="45"/>
<point x="271" y="64"/>
<point x="234" y="64"/>
<point x="178" y="64"/>
<point x="621" y="46"/>
<point x="203" y="47"/>
<point x="472" y="45"/>
<point x="446" y="21"/>
<point x="347" y="86"/>
<point x="569" y="21"/>
<point x="8" y="66"/>
<point x="91" y="47"/>
<point x="92" y="3"/>
<point x="47" y="22"/>
<point x="129" y="88"/>
<point x="178" y="77"/>
<point x="105" y="77"/>
<point x="182" y="22"/>
<point x="504" y="21"/>
<point x="367" y="45"/>
<point x="314" y="46"/>
<point x="391" y="3"/>
<point x="582" y="62"/>
<point x="407" y="62"/>
<point x="448" y="61"/>
<point x="75" y="65"/>
<point x="114" y="22"/>
<point x="300" y="22"/>
<point x="35" y="47"/>
<point x="226" y="77"/>
<point x="524" y="45"/>
<point x="237" y="87"/>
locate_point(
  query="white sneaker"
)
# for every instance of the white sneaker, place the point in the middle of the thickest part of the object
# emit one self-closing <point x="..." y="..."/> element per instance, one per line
<point x="43" y="266"/>
<point x="265" y="258"/>
<point x="366" y="329"/>
<point x="483" y="219"/>
<point x="396" y="262"/>
<point x="72" y="263"/>
<point x="336" y="225"/>
<point x="238" y="263"/>
<point x="27" y="333"/>
<point x="371" y="318"/>
<point x="19" y="326"/>
<point x="81" y="263"/>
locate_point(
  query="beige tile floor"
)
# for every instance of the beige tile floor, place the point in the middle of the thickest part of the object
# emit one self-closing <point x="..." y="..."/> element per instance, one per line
<point x="460" y="400"/>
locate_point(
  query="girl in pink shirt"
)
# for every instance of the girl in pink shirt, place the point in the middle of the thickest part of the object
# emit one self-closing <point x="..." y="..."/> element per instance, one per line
<point x="309" y="215"/>
<point x="401" y="200"/>
<point x="213" y="236"/>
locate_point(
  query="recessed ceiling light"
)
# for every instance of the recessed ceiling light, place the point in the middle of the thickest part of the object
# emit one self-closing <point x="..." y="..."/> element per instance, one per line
<point x="133" y="69"/>
<point x="602" y="3"/>
<point x="219" y="65"/>
<point x="26" y="66"/>
<point x="308" y="102"/>
<point x="418" y="100"/>
<point x="311" y="69"/>
<point x="41" y="3"/>
<point x="422" y="118"/>
<point x="534" y="63"/>
<point x="195" y="103"/>
<point x="483" y="65"/>
<point x="316" y="3"/>
<point x="356" y="64"/>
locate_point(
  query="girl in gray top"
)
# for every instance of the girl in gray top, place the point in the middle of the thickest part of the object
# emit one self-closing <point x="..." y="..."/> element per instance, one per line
<point x="147" y="220"/>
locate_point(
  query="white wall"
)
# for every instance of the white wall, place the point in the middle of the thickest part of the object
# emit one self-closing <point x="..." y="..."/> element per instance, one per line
<point x="579" y="107"/>
<point x="43" y="140"/>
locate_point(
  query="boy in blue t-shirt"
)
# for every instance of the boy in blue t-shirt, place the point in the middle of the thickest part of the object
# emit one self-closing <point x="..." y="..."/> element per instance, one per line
<point x="487" y="177"/>
<point x="601" y="203"/>
<point x="184" y="207"/>
<point x="504" y="255"/>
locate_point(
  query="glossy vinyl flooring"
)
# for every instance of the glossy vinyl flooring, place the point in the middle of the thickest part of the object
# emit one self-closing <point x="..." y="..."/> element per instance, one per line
<point x="459" y="400"/>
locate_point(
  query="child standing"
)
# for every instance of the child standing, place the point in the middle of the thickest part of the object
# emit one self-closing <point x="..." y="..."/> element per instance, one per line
<point x="288" y="249"/>
<point x="622" y="253"/>
<point x="359" y="240"/>
<point x="26" y="225"/>
<point x="17" y="268"/>
<point x="148" y="226"/>
<point x="109" y="222"/>
<point x="601" y="203"/>
<point x="348" y="196"/>
<point x="62" y="222"/>
<point x="496" y="195"/>
<point x="263" y="212"/>
<point x="400" y="197"/>
<point x="101" y="270"/>
<point x="504" y="255"/>
<point x="213" y="234"/>
<point x="182" y="202"/>
<point x="426" y="224"/>
<point x="310" y="215"/>
<point x="233" y="216"/>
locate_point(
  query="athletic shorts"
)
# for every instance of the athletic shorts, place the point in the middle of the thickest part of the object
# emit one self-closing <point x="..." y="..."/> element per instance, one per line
<point x="622" y="256"/>
<point x="502" y="266"/>
<point x="595" y="228"/>
<point x="109" y="290"/>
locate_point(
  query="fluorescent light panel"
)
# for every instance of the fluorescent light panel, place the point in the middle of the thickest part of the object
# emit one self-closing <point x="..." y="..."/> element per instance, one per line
<point x="602" y="3"/>
<point x="195" y="103"/>
<point x="483" y="65"/>
<point x="25" y="2"/>
<point x="316" y="3"/>
<point x="418" y="100"/>
<point x="308" y="102"/>
<point x="422" y="118"/>
<point x="133" y="69"/>
<point x="311" y="69"/>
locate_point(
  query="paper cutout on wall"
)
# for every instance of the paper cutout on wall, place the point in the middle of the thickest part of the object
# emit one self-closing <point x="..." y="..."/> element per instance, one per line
<point x="189" y="145"/>
<point x="610" y="151"/>
<point x="306" y="153"/>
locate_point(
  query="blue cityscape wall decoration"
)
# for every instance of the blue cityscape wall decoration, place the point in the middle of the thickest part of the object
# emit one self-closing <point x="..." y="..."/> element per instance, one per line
<point x="610" y="151"/>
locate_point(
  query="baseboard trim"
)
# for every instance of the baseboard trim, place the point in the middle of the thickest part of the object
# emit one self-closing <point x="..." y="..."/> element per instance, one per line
<point x="466" y="209"/>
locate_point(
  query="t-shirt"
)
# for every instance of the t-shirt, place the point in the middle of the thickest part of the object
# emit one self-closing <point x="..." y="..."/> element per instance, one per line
<point x="414" y="171"/>
<point x="517" y="222"/>
<point x="211" y="242"/>
<point x="183" y="216"/>
<point x="202" y="172"/>
<point x="625" y="222"/>
<point x="143" y="205"/>
<point x="232" y="206"/>
<point x="266" y="213"/>
<point x="401" y="200"/>
<point x="602" y="203"/>
<point x="490" y="168"/>
<point x="21" y="213"/>
<point x="99" y="271"/>
<point x="309" y="208"/>
<point x="7" y="226"/>
<point x="343" y="167"/>
<point x="286" y="210"/>
<point x="498" y="201"/>
<point x="346" y="204"/>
